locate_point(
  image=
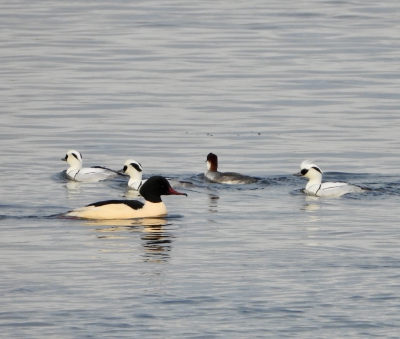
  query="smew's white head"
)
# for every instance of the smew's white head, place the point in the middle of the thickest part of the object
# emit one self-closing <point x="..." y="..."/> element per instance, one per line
<point x="133" y="169"/>
<point x="74" y="159"/>
<point x="310" y="171"/>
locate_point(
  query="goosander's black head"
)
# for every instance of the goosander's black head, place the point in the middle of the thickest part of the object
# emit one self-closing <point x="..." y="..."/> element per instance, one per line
<point x="155" y="187"/>
<point x="212" y="162"/>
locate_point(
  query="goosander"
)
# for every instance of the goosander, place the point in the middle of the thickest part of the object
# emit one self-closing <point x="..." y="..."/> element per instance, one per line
<point x="151" y="191"/>
<point x="326" y="189"/>
<point x="224" y="178"/>
<point x="77" y="173"/>
<point x="134" y="170"/>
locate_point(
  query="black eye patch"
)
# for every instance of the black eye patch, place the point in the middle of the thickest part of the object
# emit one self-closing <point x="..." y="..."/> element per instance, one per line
<point x="125" y="168"/>
<point x="136" y="166"/>
<point x="304" y="171"/>
<point x="317" y="169"/>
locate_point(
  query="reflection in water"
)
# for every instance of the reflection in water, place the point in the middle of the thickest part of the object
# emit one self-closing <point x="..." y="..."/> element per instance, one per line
<point x="311" y="204"/>
<point x="310" y="207"/>
<point x="73" y="187"/>
<point x="156" y="244"/>
<point x="130" y="193"/>
<point x="213" y="202"/>
<point x="156" y="241"/>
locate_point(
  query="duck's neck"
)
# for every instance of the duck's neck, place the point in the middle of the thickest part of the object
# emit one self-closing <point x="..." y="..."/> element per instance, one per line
<point x="76" y="165"/>
<point x="314" y="181"/>
<point x="135" y="180"/>
<point x="135" y="184"/>
<point x="149" y="196"/>
<point x="211" y="166"/>
<point x="154" y="209"/>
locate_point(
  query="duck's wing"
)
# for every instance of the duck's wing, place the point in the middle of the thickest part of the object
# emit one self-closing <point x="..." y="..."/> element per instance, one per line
<point x="109" y="169"/>
<point x="134" y="204"/>
<point x="337" y="189"/>
<point x="236" y="178"/>
<point x="108" y="209"/>
<point x="90" y="174"/>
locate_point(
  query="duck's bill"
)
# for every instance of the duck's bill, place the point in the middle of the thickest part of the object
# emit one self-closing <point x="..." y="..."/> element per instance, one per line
<point x="64" y="159"/>
<point x="172" y="191"/>
<point x="298" y="174"/>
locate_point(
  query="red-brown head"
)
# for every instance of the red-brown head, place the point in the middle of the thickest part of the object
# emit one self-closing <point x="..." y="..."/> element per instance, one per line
<point x="212" y="162"/>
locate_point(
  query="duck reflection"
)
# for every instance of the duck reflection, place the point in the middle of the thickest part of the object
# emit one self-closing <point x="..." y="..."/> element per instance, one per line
<point x="213" y="202"/>
<point x="72" y="187"/>
<point x="156" y="244"/>
<point x="311" y="228"/>
<point x="156" y="240"/>
<point x="311" y="204"/>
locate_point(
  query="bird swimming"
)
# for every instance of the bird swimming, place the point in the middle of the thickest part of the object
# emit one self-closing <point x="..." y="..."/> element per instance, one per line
<point x="151" y="191"/>
<point x="327" y="189"/>
<point x="77" y="173"/>
<point x="213" y="175"/>
<point x="134" y="170"/>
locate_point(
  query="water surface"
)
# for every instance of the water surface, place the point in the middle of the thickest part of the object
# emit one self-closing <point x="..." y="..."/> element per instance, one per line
<point x="262" y="85"/>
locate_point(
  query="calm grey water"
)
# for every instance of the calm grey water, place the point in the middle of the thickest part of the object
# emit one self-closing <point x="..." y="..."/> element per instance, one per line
<point x="264" y="85"/>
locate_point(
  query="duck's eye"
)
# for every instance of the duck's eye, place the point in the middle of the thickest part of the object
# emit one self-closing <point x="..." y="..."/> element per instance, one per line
<point x="125" y="168"/>
<point x="75" y="156"/>
<point x="66" y="156"/>
<point x="304" y="171"/>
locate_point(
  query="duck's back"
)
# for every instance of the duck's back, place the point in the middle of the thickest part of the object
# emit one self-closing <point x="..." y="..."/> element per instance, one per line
<point x="334" y="189"/>
<point x="231" y="178"/>
<point x="92" y="174"/>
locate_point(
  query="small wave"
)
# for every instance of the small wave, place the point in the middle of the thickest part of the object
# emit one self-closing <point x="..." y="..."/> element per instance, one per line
<point x="60" y="177"/>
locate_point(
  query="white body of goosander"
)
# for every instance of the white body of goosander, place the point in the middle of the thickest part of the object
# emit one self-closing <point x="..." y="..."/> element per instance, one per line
<point x="326" y="189"/>
<point x="77" y="173"/>
<point x="232" y="178"/>
<point x="151" y="191"/>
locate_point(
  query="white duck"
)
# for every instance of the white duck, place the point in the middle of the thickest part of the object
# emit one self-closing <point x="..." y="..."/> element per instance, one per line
<point x="326" y="189"/>
<point x="77" y="173"/>
<point x="134" y="170"/>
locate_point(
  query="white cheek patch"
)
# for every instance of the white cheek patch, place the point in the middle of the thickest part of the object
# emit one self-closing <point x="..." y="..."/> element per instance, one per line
<point x="208" y="165"/>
